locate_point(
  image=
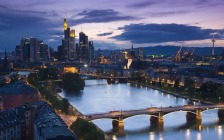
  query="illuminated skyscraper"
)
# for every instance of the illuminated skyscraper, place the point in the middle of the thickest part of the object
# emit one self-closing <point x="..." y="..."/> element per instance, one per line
<point x="68" y="42"/>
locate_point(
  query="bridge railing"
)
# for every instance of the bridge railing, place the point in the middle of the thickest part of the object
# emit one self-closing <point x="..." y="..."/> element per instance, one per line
<point x="185" y="107"/>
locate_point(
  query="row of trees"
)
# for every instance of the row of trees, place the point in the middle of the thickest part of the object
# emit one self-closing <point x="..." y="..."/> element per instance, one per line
<point x="47" y="90"/>
<point x="207" y="90"/>
<point x="86" y="130"/>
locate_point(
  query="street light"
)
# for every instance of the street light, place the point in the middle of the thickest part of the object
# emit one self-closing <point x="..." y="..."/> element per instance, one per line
<point x="114" y="107"/>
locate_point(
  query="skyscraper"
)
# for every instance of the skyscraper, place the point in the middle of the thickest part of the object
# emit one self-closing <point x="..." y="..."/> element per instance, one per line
<point x="29" y="49"/>
<point x="72" y="45"/>
<point x="35" y="49"/>
<point x="91" y="51"/>
<point x="68" y="42"/>
<point x="44" y="52"/>
<point x="25" y="49"/>
<point x="99" y="55"/>
<point x="18" y="52"/>
<point x="84" y="56"/>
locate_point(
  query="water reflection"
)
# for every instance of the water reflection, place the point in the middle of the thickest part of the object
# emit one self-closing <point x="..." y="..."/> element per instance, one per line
<point x="99" y="97"/>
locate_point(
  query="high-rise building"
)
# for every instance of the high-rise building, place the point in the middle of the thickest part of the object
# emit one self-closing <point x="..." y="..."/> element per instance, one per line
<point x="44" y="52"/>
<point x="91" y="51"/>
<point x="72" y="45"/>
<point x="99" y="55"/>
<point x="25" y="49"/>
<point x="35" y="49"/>
<point x="18" y="52"/>
<point x="68" y="42"/>
<point x="62" y="53"/>
<point x="84" y="56"/>
<point x="29" y="49"/>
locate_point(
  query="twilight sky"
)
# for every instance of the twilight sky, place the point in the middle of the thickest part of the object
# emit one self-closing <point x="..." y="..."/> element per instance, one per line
<point x="113" y="24"/>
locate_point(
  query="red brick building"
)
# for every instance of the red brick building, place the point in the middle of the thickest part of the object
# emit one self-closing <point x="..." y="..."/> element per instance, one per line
<point x="18" y="93"/>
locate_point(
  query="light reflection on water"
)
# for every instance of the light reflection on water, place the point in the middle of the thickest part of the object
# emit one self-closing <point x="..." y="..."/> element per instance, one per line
<point x="99" y="97"/>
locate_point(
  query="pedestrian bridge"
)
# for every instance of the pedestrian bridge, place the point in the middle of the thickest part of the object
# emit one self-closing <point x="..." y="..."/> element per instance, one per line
<point x="193" y="113"/>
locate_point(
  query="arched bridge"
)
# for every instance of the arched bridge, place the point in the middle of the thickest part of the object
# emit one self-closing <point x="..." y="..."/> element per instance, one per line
<point x="157" y="114"/>
<point x="110" y="79"/>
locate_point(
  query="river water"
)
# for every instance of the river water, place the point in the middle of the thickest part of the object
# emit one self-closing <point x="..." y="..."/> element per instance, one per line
<point x="100" y="97"/>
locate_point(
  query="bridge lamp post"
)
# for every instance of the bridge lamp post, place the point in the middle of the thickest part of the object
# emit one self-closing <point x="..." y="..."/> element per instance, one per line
<point x="114" y="107"/>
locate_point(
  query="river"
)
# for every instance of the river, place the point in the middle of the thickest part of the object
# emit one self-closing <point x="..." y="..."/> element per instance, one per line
<point x="100" y="97"/>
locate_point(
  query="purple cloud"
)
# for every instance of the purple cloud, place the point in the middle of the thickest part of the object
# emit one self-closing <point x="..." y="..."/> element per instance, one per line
<point x="160" y="33"/>
<point x="105" y="34"/>
<point x="101" y="16"/>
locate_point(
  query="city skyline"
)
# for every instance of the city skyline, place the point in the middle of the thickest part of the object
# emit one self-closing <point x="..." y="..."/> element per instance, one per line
<point x="114" y="25"/>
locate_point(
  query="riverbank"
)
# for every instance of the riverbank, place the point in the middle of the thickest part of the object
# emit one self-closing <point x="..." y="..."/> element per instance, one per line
<point x="176" y="94"/>
<point x="69" y="119"/>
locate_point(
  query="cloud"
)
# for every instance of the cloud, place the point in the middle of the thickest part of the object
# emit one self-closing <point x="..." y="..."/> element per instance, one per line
<point x="100" y="16"/>
<point x="143" y="4"/>
<point x="105" y="34"/>
<point x="162" y="33"/>
<point x="208" y="3"/>
<point x="3" y="7"/>
<point x="15" y="24"/>
<point x="167" y="13"/>
<point x="52" y="40"/>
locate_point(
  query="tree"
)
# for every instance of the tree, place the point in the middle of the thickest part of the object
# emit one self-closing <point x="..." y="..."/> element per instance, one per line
<point x="14" y="77"/>
<point x="177" y="83"/>
<point x="137" y="76"/>
<point x="72" y="82"/>
<point x="220" y="92"/>
<point x="33" y="79"/>
<point x="47" y="74"/>
<point x="189" y="83"/>
<point x="65" y="105"/>
<point x="209" y="89"/>
<point x="86" y="130"/>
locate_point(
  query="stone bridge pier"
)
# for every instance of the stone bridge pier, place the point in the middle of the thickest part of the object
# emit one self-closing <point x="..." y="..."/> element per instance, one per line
<point x="157" y="118"/>
<point x="194" y="115"/>
<point x="118" y="122"/>
<point x="221" y="115"/>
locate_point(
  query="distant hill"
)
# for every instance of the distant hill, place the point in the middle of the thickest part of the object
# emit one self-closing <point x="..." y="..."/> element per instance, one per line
<point x="171" y="50"/>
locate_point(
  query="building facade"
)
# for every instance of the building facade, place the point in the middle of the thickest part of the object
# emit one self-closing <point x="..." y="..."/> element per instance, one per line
<point x="9" y="126"/>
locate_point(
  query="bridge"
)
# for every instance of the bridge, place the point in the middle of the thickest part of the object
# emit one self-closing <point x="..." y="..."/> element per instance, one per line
<point x="193" y="113"/>
<point x="110" y="79"/>
<point x="26" y="70"/>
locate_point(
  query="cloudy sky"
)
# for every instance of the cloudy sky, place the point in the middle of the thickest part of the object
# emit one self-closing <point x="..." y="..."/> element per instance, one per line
<point x="114" y="23"/>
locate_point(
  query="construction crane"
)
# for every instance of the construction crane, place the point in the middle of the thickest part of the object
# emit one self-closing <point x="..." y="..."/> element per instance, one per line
<point x="192" y="53"/>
